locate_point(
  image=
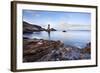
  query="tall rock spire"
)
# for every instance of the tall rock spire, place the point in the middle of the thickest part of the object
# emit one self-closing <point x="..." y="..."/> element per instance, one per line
<point x="48" y="27"/>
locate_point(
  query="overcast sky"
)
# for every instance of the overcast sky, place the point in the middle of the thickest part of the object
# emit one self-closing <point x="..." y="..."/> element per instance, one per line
<point x="58" y="20"/>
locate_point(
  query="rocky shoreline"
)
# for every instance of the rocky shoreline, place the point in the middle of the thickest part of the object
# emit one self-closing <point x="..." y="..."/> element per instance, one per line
<point x="36" y="50"/>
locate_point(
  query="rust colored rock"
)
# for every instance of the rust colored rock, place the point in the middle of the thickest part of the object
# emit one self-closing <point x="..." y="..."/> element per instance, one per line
<point x="87" y="50"/>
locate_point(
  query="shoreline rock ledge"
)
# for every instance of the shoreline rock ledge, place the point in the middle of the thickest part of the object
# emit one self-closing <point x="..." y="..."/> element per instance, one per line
<point x="39" y="50"/>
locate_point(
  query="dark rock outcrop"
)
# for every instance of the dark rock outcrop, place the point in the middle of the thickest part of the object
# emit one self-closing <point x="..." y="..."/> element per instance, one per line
<point x="52" y="29"/>
<point x="87" y="48"/>
<point x="64" y="31"/>
<point x="29" y="28"/>
<point x="86" y="51"/>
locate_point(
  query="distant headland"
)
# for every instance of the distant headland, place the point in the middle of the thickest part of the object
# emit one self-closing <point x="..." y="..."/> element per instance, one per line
<point x="29" y="28"/>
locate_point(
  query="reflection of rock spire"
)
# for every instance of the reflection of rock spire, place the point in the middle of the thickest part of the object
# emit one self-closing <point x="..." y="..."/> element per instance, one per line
<point x="48" y="30"/>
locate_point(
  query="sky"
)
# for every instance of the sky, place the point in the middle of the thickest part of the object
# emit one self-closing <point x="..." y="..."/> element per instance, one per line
<point x="58" y="20"/>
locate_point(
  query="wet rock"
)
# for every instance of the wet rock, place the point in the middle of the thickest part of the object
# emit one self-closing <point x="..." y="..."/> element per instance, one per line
<point x="36" y="49"/>
<point x="43" y="50"/>
<point x="70" y="53"/>
<point x="87" y="48"/>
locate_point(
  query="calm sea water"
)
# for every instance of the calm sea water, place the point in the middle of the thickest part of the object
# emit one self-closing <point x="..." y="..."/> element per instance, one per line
<point x="74" y="38"/>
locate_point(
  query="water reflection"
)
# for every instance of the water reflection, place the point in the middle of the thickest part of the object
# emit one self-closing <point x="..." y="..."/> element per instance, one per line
<point x="75" y="38"/>
<point x="49" y="35"/>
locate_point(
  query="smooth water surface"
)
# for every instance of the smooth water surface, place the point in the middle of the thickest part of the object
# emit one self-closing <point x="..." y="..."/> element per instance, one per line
<point x="74" y="38"/>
